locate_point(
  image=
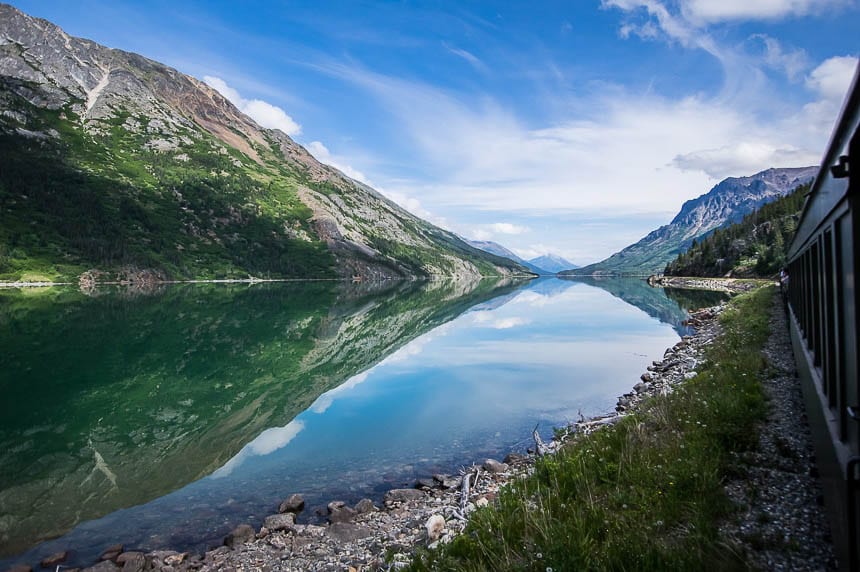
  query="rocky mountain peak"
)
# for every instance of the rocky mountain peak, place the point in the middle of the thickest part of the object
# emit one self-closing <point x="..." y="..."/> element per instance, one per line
<point x="726" y="203"/>
<point x="125" y="114"/>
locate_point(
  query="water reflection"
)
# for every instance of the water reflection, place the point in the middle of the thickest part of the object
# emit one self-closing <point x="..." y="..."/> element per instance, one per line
<point x="113" y="400"/>
<point x="290" y="388"/>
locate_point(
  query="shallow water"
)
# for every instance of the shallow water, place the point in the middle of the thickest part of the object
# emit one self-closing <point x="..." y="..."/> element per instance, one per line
<point x="163" y="420"/>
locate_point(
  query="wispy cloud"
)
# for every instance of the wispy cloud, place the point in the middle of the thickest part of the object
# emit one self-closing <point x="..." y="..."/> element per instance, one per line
<point x="264" y="113"/>
<point x="793" y="62"/>
<point x="471" y="58"/>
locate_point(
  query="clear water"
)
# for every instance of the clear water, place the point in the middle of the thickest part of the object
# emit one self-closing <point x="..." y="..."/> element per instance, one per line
<point x="164" y="420"/>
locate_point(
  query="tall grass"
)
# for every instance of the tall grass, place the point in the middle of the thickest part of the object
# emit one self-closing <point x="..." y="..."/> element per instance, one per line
<point x="645" y="494"/>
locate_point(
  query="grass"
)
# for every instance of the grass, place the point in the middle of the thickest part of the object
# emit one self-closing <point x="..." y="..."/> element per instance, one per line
<point x="645" y="494"/>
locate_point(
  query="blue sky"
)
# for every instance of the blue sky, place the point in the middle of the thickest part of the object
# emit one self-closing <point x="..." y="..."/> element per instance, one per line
<point x="568" y="127"/>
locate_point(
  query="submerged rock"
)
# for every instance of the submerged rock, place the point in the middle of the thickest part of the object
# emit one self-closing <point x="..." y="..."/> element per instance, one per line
<point x="294" y="504"/>
<point x="339" y="512"/>
<point x="54" y="559"/>
<point x="132" y="561"/>
<point x="112" y="552"/>
<point x="240" y="535"/>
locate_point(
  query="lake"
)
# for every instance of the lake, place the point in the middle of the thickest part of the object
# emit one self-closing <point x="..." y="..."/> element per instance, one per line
<point x="163" y="419"/>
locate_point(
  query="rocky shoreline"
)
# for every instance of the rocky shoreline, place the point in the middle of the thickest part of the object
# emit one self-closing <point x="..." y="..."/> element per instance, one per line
<point x="370" y="537"/>
<point x="735" y="285"/>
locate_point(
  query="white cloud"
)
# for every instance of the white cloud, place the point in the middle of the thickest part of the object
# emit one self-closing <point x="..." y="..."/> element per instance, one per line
<point x="711" y="11"/>
<point x="744" y="157"/>
<point x="629" y="153"/>
<point x="264" y="113"/>
<point x="266" y="442"/>
<point x="830" y="82"/>
<point x="487" y="159"/>
<point x="508" y="228"/>
<point x="488" y="231"/>
<point x="323" y="155"/>
<point x="832" y="78"/>
<point x="489" y="319"/>
<point x="324" y="401"/>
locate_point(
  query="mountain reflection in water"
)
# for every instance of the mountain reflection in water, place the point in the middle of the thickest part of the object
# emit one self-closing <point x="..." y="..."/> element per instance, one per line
<point x="332" y="391"/>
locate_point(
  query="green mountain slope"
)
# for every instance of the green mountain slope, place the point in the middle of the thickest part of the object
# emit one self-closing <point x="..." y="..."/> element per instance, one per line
<point x="754" y="247"/>
<point x="111" y="161"/>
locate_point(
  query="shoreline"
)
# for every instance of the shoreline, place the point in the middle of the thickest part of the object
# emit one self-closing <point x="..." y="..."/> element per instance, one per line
<point x="372" y="537"/>
<point x="151" y="283"/>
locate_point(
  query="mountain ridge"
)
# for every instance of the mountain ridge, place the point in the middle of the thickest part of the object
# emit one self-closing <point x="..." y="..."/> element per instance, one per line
<point x="727" y="202"/>
<point x="553" y="263"/>
<point x="176" y="178"/>
<point x="499" y="250"/>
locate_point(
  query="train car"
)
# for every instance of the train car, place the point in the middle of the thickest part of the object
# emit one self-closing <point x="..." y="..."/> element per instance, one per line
<point x="822" y="298"/>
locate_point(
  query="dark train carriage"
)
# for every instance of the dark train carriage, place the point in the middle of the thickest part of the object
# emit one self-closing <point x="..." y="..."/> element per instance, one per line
<point x="823" y="302"/>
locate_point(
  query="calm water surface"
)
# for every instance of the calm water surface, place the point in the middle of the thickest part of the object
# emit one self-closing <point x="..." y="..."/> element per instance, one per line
<point x="164" y="420"/>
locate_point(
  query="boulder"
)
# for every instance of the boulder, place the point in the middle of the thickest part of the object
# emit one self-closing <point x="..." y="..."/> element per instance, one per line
<point x="646" y="377"/>
<point x="294" y="504"/>
<point x="20" y="568"/>
<point x="364" y="506"/>
<point x="112" y="552"/>
<point x="493" y="466"/>
<point x="132" y="561"/>
<point x="283" y="521"/>
<point x="339" y="512"/>
<point x="426" y="483"/>
<point x="240" y="535"/>
<point x="403" y="495"/>
<point x="54" y="559"/>
<point x="434" y="526"/>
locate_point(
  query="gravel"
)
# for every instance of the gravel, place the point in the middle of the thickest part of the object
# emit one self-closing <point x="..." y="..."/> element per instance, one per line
<point x="781" y="523"/>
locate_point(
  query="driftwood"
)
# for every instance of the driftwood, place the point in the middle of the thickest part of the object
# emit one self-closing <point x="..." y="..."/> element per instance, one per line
<point x="541" y="448"/>
<point x="466" y="491"/>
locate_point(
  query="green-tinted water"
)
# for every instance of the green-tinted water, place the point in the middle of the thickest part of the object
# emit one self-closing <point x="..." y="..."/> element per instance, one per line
<point x="194" y="408"/>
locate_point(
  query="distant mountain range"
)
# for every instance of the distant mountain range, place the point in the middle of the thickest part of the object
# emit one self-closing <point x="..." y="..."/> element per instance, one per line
<point x="115" y="163"/>
<point x="553" y="263"/>
<point x="544" y="265"/>
<point x="726" y="203"/>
